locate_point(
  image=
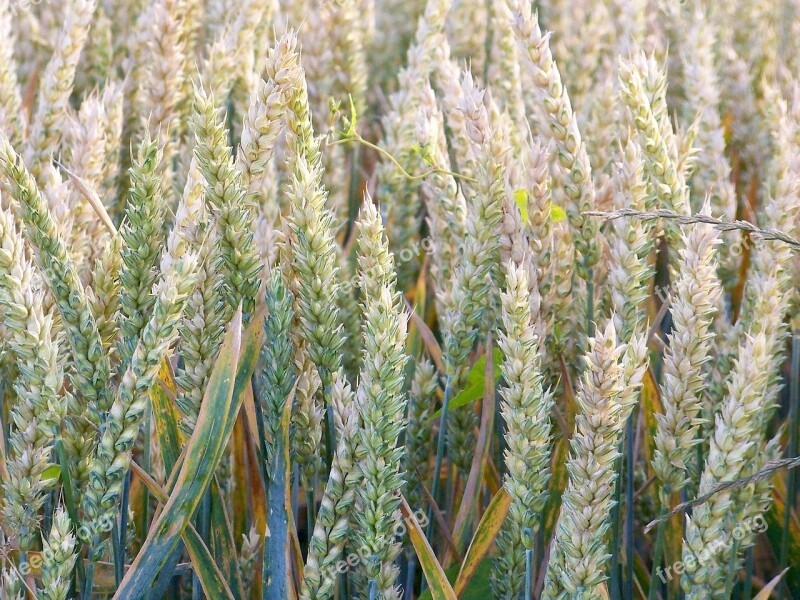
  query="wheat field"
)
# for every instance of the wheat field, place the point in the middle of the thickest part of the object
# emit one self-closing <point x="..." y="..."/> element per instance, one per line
<point x="399" y="299"/>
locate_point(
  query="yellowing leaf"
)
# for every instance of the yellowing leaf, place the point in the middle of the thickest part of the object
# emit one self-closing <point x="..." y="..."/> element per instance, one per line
<point x="775" y="532"/>
<point x="351" y="125"/>
<point x="557" y="214"/>
<point x="439" y="586"/>
<point x="51" y="473"/>
<point x="481" y="456"/>
<point x="482" y="541"/>
<point x="211" y="578"/>
<point x="766" y="591"/>
<point x="478" y="588"/>
<point x="521" y="199"/>
<point x="203" y="452"/>
<point x="473" y="389"/>
<point x="166" y="417"/>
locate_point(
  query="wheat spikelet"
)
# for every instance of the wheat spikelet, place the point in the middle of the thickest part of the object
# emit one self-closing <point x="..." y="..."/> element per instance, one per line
<point x="381" y="404"/>
<point x="92" y="368"/>
<point x="696" y="294"/>
<point x="309" y="247"/>
<point x="525" y="408"/>
<point x="630" y="246"/>
<point x="444" y="200"/>
<point x="10" y="94"/>
<point x="58" y="79"/>
<point x="59" y="558"/>
<point x="263" y="122"/>
<point x="571" y="157"/>
<point x="419" y="433"/>
<point x="142" y="240"/>
<point x="113" y="455"/>
<point x="475" y="297"/>
<point x="226" y="195"/>
<point x="606" y="397"/>
<point x="332" y="525"/>
<point x="734" y="433"/>
<point x="307" y="419"/>
<point x="39" y="408"/>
